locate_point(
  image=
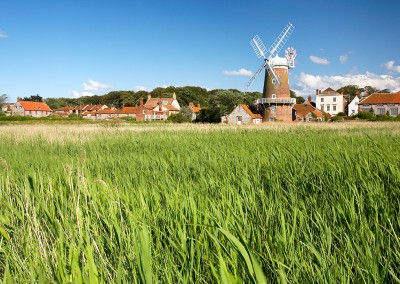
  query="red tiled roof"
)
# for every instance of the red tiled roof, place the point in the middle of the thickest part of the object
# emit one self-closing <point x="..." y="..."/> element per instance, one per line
<point x="381" y="99"/>
<point x="153" y="102"/>
<point x="64" y="109"/>
<point x="107" y="111"/>
<point x="128" y="110"/>
<point x="27" y="105"/>
<point x="305" y="108"/>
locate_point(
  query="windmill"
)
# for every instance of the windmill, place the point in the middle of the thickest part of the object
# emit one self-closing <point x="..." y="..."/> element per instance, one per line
<point x="276" y="92"/>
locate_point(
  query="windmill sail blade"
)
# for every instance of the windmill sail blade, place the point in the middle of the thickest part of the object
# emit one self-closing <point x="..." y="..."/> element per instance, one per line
<point x="255" y="76"/>
<point x="280" y="41"/>
<point x="271" y="71"/>
<point x="258" y="47"/>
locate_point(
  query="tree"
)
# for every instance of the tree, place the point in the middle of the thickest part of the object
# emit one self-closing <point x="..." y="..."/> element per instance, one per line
<point x="384" y="91"/>
<point x="33" y="98"/>
<point x="3" y="98"/>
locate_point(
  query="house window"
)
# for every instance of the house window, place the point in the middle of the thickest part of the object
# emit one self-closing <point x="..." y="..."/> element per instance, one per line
<point x="353" y="111"/>
<point x="334" y="107"/>
<point x="239" y="119"/>
<point x="394" y="111"/>
<point x="322" y="107"/>
<point x="334" y="99"/>
<point x="328" y="108"/>
<point x="380" y="110"/>
<point x="322" y="100"/>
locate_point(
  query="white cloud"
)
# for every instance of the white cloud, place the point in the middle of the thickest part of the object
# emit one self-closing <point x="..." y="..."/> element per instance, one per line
<point x="140" y="88"/>
<point x="75" y="94"/>
<point x="240" y="72"/>
<point x="319" y="60"/>
<point x="3" y="34"/>
<point x="95" y="86"/>
<point x="343" y="58"/>
<point x="87" y="94"/>
<point x="391" y="67"/>
<point x="306" y="84"/>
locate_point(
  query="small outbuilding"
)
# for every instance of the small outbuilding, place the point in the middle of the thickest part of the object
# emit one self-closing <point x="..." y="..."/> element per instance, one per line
<point x="242" y="114"/>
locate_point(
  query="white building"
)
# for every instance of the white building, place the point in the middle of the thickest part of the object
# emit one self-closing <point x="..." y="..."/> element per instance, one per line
<point x="330" y="101"/>
<point x="352" y="108"/>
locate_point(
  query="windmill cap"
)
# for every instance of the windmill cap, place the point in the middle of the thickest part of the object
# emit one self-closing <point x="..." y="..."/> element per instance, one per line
<point x="279" y="61"/>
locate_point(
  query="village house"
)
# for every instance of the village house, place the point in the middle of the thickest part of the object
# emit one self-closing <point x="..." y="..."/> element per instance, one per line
<point x="330" y="101"/>
<point x="89" y="110"/>
<point x="64" y="111"/>
<point x="385" y="103"/>
<point x="242" y="114"/>
<point x="195" y="109"/>
<point x="158" y="108"/>
<point x="116" y="113"/>
<point x="307" y="112"/>
<point x="352" y="108"/>
<point x="28" y="108"/>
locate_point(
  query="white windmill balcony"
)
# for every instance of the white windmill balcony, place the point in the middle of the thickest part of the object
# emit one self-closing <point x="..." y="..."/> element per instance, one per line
<point x="275" y="101"/>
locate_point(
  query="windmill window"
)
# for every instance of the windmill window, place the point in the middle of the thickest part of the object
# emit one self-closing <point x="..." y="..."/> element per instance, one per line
<point x="273" y="109"/>
<point x="274" y="96"/>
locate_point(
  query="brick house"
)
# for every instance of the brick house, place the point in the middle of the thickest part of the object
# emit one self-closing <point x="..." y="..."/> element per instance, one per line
<point x="28" y="108"/>
<point x="384" y="103"/>
<point x="307" y="112"/>
<point x="157" y="108"/>
<point x="242" y="114"/>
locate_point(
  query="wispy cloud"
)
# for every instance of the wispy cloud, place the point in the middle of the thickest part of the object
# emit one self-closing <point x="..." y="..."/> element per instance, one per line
<point x="319" y="60"/>
<point x="306" y="84"/>
<point x="139" y="88"/>
<point x="92" y="85"/>
<point x="343" y="58"/>
<point x="240" y="72"/>
<point x="76" y="94"/>
<point x="3" y="34"/>
<point x="391" y="67"/>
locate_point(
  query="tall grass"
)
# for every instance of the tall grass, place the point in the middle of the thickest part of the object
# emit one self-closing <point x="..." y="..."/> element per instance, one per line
<point x="150" y="204"/>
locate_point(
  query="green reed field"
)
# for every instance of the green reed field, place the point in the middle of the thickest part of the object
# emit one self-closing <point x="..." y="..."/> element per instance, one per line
<point x="200" y="204"/>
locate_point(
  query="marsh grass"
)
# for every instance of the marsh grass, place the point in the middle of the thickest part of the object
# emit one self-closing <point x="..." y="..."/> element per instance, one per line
<point x="200" y="204"/>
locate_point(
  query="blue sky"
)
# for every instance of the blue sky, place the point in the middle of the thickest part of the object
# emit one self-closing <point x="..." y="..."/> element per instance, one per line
<point x="69" y="48"/>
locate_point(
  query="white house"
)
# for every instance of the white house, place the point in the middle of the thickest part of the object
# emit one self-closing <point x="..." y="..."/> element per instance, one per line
<point x="330" y="101"/>
<point x="352" y="108"/>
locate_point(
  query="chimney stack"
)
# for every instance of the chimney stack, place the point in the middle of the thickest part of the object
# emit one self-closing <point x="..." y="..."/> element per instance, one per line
<point x="148" y="97"/>
<point x="174" y="96"/>
<point x="309" y="98"/>
<point x="18" y="99"/>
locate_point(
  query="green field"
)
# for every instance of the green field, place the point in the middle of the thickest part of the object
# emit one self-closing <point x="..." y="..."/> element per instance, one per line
<point x="200" y="204"/>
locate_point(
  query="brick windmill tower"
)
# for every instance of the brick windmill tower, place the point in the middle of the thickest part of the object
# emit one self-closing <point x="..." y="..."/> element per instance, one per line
<point x="276" y="103"/>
